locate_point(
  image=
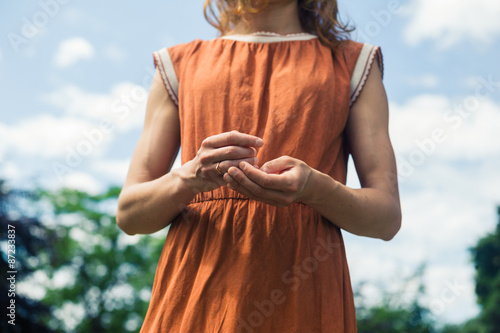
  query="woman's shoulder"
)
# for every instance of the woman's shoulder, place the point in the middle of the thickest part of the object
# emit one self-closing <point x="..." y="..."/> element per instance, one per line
<point x="358" y="58"/>
<point x="350" y="47"/>
<point x="187" y="49"/>
<point x="353" y="52"/>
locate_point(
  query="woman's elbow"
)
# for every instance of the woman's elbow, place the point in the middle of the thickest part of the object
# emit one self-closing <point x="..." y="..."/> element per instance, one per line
<point x="122" y="224"/>
<point x="393" y="225"/>
<point x="122" y="216"/>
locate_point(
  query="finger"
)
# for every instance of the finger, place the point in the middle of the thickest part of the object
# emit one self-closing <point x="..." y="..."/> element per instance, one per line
<point x="268" y="181"/>
<point x="233" y="138"/>
<point x="212" y="156"/>
<point x="225" y="165"/>
<point x="256" y="190"/>
<point x="231" y="153"/>
<point x="213" y="177"/>
<point x="234" y="185"/>
<point x="278" y="165"/>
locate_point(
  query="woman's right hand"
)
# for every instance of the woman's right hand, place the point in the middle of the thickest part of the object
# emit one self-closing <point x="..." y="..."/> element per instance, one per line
<point x="223" y="151"/>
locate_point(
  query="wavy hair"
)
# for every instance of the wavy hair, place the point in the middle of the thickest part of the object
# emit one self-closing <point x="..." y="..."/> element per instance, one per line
<point x="317" y="17"/>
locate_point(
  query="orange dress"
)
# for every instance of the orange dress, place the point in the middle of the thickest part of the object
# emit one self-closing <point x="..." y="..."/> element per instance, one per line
<point x="231" y="264"/>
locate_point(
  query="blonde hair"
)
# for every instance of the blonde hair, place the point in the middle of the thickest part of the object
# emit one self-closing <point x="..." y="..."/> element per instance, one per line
<point x="318" y="17"/>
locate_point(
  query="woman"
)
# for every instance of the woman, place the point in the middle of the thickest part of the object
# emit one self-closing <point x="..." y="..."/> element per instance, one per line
<point x="266" y="116"/>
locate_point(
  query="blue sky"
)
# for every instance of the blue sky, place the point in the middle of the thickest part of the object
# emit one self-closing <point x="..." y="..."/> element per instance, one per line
<point x="64" y="63"/>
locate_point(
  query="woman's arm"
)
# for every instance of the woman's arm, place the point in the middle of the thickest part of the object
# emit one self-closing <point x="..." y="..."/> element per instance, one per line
<point x="153" y="195"/>
<point x="372" y="211"/>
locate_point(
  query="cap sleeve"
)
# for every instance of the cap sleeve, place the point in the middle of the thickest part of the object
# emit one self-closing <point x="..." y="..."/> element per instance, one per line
<point x="163" y="62"/>
<point x="362" y="68"/>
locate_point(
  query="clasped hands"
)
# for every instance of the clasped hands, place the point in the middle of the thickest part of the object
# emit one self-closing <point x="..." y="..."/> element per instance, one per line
<point x="229" y="159"/>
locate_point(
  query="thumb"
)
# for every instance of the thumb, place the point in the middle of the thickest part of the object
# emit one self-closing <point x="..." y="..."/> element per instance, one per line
<point x="277" y="165"/>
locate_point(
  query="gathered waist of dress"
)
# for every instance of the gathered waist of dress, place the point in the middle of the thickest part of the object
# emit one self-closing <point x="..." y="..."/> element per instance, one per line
<point x="218" y="194"/>
<point x="221" y="193"/>
<point x="224" y="193"/>
<point x="226" y="200"/>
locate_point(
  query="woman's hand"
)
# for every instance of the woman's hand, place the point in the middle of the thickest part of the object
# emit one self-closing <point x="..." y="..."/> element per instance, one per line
<point x="279" y="182"/>
<point x="216" y="155"/>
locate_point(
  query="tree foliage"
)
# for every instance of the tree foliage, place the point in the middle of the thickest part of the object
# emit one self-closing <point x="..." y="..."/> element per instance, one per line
<point x="97" y="279"/>
<point x="109" y="274"/>
<point x="31" y="238"/>
<point x="486" y="258"/>
<point x="393" y="315"/>
<point x="93" y="276"/>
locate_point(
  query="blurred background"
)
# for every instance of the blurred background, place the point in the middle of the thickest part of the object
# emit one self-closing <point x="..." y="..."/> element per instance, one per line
<point x="75" y="78"/>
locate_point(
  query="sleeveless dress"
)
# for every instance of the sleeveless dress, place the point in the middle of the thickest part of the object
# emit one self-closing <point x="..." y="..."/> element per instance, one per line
<point x="231" y="264"/>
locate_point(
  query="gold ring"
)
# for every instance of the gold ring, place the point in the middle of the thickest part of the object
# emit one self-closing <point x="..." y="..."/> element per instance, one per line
<point x="218" y="169"/>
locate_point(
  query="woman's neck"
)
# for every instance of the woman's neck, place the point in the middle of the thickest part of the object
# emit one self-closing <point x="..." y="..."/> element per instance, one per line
<point x="279" y="16"/>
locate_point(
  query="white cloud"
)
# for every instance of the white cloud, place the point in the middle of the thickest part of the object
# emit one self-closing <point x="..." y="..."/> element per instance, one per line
<point x="468" y="127"/>
<point x="72" y="50"/>
<point x="124" y="106"/>
<point x="425" y="81"/>
<point x="44" y="136"/>
<point x="76" y="140"/>
<point x="83" y="182"/>
<point x="9" y="170"/>
<point x="113" y="170"/>
<point x="448" y="22"/>
<point x="451" y="292"/>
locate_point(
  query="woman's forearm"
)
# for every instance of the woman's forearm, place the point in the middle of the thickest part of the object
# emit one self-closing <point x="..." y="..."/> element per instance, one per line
<point x="366" y="212"/>
<point x="145" y="208"/>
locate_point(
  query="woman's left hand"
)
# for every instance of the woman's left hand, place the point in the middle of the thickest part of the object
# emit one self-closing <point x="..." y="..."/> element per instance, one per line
<point x="279" y="182"/>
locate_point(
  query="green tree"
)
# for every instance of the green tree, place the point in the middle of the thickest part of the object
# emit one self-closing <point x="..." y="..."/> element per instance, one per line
<point x="28" y="239"/>
<point x="393" y="315"/>
<point x="471" y="326"/>
<point x="108" y="274"/>
<point x="486" y="258"/>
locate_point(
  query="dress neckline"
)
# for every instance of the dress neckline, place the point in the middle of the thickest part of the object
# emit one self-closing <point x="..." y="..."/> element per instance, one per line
<point x="269" y="37"/>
